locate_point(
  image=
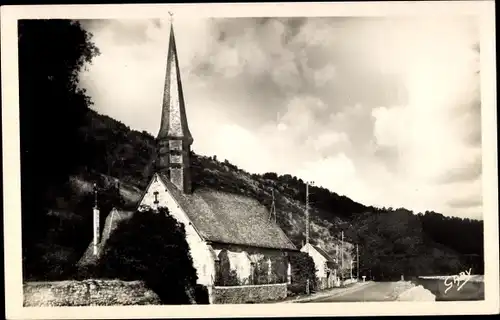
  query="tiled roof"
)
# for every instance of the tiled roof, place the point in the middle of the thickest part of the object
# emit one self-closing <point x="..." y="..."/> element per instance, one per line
<point x="229" y="218"/>
<point x="112" y="220"/>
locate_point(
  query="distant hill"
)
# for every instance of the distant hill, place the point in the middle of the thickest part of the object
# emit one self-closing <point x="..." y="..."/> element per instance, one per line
<point x="391" y="241"/>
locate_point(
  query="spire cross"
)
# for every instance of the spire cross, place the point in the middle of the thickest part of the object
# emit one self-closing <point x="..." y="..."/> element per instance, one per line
<point x="171" y="16"/>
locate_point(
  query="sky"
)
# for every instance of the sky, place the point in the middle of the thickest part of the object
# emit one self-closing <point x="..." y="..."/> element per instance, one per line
<point x="383" y="110"/>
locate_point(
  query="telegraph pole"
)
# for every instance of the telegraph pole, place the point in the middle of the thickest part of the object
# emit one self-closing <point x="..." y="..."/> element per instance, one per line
<point x="357" y="261"/>
<point x="307" y="229"/>
<point x="273" y="209"/>
<point x="307" y="212"/>
<point x="342" y="254"/>
<point x="96" y="222"/>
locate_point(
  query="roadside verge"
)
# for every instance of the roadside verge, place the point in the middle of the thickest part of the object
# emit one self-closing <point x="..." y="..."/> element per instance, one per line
<point x="330" y="293"/>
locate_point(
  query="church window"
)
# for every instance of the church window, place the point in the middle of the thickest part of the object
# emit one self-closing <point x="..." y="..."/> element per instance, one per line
<point x="175" y="145"/>
<point x="156" y="197"/>
<point x="175" y="159"/>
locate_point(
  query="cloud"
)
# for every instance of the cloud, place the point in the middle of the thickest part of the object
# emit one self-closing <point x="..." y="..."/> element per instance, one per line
<point x="465" y="203"/>
<point x="383" y="110"/>
<point x="469" y="172"/>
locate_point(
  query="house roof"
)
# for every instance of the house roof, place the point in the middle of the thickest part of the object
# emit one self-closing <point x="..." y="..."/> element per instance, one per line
<point x="321" y="251"/>
<point x="229" y="218"/>
<point x="112" y="220"/>
<point x="324" y="254"/>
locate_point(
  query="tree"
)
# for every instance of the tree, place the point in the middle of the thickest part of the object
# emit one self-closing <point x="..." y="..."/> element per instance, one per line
<point x="52" y="108"/>
<point x="270" y="176"/>
<point x="303" y="269"/>
<point x="151" y="246"/>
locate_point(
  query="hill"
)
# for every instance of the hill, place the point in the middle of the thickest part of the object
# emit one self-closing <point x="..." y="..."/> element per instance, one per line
<point x="66" y="148"/>
<point x="391" y="241"/>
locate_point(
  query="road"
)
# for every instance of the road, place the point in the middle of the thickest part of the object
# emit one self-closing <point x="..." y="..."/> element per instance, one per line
<point x="376" y="291"/>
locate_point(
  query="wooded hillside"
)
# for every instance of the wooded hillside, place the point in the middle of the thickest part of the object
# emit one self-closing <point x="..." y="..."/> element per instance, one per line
<point x="66" y="147"/>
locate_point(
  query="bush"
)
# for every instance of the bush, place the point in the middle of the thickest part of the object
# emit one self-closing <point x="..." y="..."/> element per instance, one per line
<point x="201" y="294"/>
<point x="303" y="269"/>
<point x="296" y="288"/>
<point x="151" y="246"/>
<point x="226" y="276"/>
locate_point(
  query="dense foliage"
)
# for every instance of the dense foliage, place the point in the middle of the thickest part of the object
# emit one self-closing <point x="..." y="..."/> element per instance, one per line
<point x="52" y="110"/>
<point x="151" y="246"/>
<point x="303" y="269"/>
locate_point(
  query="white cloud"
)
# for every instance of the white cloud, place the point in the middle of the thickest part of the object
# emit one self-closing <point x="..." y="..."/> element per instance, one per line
<point x="328" y="139"/>
<point x="335" y="173"/>
<point x="336" y="114"/>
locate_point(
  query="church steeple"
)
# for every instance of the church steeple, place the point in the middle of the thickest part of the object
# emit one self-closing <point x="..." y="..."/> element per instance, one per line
<point x="174" y="138"/>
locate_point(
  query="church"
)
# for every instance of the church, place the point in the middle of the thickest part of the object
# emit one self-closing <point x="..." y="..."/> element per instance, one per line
<point x="231" y="238"/>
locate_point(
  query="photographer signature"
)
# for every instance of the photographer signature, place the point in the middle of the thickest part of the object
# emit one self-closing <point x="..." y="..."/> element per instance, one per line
<point x="457" y="280"/>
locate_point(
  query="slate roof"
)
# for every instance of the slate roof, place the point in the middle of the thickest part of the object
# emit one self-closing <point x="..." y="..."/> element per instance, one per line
<point x="112" y="220"/>
<point x="229" y="218"/>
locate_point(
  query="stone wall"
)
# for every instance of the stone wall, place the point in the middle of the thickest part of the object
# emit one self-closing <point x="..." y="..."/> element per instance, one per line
<point x="87" y="293"/>
<point x="249" y="294"/>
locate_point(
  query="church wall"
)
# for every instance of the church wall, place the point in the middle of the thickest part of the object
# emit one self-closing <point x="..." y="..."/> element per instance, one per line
<point x="202" y="258"/>
<point x="253" y="265"/>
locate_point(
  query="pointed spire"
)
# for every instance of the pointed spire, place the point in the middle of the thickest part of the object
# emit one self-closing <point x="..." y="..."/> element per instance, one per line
<point x="174" y="138"/>
<point x="174" y="121"/>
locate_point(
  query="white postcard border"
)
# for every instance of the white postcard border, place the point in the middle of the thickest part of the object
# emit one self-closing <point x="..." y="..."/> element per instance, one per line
<point x="11" y="162"/>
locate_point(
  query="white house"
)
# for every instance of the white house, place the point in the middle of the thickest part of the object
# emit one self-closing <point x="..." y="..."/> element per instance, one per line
<point x="326" y="272"/>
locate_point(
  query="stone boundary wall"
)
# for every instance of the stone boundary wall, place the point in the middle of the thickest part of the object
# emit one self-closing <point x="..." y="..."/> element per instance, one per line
<point x="248" y="294"/>
<point x="87" y="293"/>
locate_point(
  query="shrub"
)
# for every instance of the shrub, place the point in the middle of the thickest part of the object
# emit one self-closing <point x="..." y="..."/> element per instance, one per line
<point x="296" y="288"/>
<point x="151" y="246"/>
<point x="225" y="276"/>
<point x="201" y="294"/>
<point x="303" y="269"/>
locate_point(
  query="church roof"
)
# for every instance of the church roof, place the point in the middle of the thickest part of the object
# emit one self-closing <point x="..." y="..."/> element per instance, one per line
<point x="112" y="220"/>
<point x="229" y="218"/>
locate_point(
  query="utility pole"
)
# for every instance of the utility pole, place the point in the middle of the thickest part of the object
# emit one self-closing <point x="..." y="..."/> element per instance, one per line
<point x="352" y="262"/>
<point x="273" y="209"/>
<point x="307" y="212"/>
<point x="342" y="254"/>
<point x="96" y="222"/>
<point x="357" y="261"/>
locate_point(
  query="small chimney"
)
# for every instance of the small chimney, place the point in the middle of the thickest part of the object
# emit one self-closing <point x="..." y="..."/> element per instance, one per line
<point x="96" y="224"/>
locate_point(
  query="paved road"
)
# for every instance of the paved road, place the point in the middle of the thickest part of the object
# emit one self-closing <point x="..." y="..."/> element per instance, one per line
<point x="376" y="291"/>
